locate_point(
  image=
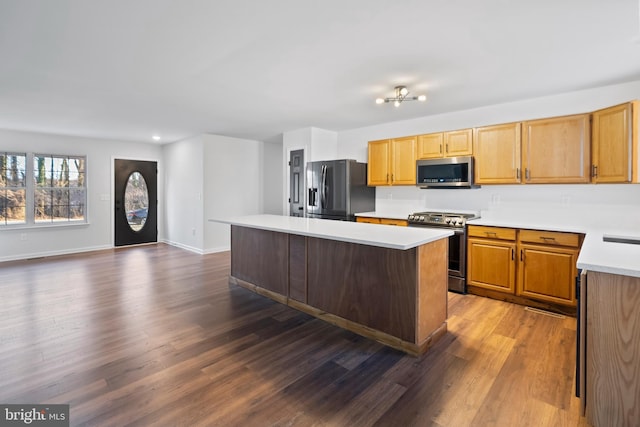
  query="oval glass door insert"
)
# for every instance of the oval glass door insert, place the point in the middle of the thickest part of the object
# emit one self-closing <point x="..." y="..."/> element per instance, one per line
<point x="136" y="201"/>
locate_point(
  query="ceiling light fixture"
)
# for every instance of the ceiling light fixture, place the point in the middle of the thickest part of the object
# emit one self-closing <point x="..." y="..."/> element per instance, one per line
<point x="401" y="95"/>
<point x="155" y="138"/>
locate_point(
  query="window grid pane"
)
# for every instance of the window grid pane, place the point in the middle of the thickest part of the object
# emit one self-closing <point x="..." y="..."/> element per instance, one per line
<point x="12" y="188"/>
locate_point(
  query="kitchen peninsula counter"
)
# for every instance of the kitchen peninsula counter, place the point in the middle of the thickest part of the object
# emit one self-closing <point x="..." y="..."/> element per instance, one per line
<point x="383" y="282"/>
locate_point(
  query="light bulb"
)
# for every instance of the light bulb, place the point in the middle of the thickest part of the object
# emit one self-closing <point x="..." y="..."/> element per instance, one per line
<point x="404" y="91"/>
<point x="422" y="98"/>
<point x="397" y="103"/>
<point x="379" y="101"/>
<point x="155" y="138"/>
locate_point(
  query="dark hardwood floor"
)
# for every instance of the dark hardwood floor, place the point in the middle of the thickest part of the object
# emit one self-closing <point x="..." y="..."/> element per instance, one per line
<point x="155" y="336"/>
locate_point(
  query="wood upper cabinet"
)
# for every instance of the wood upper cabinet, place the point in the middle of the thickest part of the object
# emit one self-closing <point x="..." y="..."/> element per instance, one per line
<point x="392" y="162"/>
<point x="557" y="150"/>
<point x="445" y="144"/>
<point x="378" y="163"/>
<point x="615" y="144"/>
<point x="458" y="143"/>
<point x="431" y="146"/>
<point x="491" y="258"/>
<point x="497" y="154"/>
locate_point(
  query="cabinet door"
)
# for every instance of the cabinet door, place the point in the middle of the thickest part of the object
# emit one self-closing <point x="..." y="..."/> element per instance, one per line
<point x="548" y="273"/>
<point x="497" y="154"/>
<point x="379" y="162"/>
<point x="431" y="146"/>
<point x="557" y="150"/>
<point x="492" y="264"/>
<point x="611" y="148"/>
<point x="458" y="143"/>
<point x="403" y="161"/>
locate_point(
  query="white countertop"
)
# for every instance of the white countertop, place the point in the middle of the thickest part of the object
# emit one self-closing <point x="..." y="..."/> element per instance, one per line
<point x="386" y="236"/>
<point x="391" y="214"/>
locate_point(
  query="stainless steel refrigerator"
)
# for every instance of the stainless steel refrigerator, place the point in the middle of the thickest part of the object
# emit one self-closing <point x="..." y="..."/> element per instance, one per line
<point x="337" y="189"/>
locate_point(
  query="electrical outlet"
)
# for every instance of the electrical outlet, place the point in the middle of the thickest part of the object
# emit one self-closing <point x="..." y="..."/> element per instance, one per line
<point x="193" y="231"/>
<point x="23" y="237"/>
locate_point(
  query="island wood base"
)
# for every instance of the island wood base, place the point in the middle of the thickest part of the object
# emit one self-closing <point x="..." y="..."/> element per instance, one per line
<point x="396" y="297"/>
<point x="381" y="337"/>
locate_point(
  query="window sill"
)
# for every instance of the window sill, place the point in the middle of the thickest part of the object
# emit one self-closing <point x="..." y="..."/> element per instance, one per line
<point x="47" y="225"/>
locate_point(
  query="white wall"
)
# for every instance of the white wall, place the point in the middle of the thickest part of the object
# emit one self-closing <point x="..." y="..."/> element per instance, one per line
<point x="184" y="180"/>
<point x="324" y="145"/>
<point x="318" y="144"/>
<point x="353" y="144"/>
<point x="233" y="174"/>
<point x="272" y="181"/>
<point x="98" y="234"/>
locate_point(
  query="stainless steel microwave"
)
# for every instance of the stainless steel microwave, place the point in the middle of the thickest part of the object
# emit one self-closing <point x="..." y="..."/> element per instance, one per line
<point x="448" y="172"/>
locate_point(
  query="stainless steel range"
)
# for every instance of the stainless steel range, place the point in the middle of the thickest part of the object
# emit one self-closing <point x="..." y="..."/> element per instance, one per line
<point x="457" y="243"/>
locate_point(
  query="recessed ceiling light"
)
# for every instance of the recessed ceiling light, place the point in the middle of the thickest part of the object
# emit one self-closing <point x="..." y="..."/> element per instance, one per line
<point x="155" y="138"/>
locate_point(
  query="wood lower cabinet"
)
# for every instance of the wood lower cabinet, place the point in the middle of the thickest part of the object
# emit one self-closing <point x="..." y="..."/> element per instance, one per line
<point x="532" y="264"/>
<point x="491" y="258"/>
<point x="614" y="148"/>
<point x="547" y="273"/>
<point x="557" y="150"/>
<point x="392" y="162"/>
<point x="385" y="221"/>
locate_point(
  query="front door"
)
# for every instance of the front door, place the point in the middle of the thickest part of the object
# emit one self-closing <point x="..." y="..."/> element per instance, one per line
<point x="296" y="180"/>
<point x="136" y="202"/>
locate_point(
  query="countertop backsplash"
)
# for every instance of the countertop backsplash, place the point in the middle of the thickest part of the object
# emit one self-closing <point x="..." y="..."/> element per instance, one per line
<point x="592" y="203"/>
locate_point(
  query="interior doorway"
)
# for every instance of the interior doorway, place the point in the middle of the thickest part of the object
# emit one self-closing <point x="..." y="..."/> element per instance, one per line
<point x="296" y="183"/>
<point x="135" y="202"/>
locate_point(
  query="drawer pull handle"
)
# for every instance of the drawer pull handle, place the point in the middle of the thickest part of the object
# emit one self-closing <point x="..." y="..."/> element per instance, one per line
<point x="491" y="233"/>
<point x="548" y="239"/>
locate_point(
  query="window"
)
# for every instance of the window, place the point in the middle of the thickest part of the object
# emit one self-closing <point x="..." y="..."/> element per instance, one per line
<point x="13" y="192"/>
<point x="60" y="192"/>
<point x="55" y="193"/>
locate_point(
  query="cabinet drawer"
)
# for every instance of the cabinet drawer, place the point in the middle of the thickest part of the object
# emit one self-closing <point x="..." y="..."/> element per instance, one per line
<point x="389" y="221"/>
<point x="550" y="238"/>
<point x="368" y="219"/>
<point x="492" y="232"/>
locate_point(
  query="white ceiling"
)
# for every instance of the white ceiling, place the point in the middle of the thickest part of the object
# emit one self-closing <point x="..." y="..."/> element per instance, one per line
<point x="127" y="69"/>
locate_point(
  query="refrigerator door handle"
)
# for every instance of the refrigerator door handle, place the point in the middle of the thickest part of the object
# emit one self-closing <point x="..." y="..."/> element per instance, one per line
<point x="323" y="187"/>
<point x="312" y="196"/>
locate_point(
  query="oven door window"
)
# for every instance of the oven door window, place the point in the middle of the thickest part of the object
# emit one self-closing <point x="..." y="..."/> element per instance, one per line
<point x="454" y="252"/>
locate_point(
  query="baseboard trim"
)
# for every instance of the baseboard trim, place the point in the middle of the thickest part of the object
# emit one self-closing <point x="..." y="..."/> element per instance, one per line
<point x="55" y="253"/>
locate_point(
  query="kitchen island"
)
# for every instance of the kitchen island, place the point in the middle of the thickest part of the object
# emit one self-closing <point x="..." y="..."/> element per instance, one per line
<point x="382" y="282"/>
